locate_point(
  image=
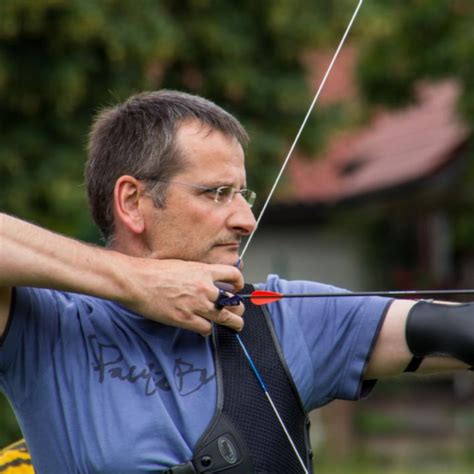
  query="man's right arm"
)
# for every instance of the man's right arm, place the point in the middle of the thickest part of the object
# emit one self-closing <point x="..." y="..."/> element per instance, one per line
<point x="172" y="292"/>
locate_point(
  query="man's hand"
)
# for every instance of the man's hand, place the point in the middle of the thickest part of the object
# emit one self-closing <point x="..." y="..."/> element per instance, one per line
<point x="181" y="293"/>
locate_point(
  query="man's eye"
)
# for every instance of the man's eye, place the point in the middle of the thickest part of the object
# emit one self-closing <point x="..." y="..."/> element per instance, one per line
<point x="222" y="194"/>
<point x="211" y="192"/>
<point x="225" y="192"/>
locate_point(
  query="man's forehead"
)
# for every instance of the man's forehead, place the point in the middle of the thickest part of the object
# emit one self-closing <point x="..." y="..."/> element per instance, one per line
<point x="199" y="140"/>
<point x="211" y="157"/>
<point x="194" y="128"/>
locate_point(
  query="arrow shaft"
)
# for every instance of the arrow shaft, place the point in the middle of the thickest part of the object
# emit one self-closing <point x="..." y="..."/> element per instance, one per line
<point x="394" y="294"/>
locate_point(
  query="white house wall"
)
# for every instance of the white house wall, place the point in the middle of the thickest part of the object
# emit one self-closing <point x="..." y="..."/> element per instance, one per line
<point x="307" y="253"/>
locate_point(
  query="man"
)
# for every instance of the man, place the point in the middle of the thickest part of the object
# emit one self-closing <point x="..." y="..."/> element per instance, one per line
<point x="104" y="352"/>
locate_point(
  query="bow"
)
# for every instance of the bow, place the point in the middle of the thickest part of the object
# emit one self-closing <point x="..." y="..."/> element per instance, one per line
<point x="223" y="299"/>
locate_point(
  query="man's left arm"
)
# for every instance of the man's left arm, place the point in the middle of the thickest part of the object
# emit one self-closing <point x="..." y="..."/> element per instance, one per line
<point x="440" y="328"/>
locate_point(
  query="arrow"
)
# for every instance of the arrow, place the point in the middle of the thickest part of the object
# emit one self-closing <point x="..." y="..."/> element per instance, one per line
<point x="261" y="297"/>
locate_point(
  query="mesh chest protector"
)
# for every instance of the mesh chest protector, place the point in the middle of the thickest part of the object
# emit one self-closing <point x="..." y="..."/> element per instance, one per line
<point x="244" y="436"/>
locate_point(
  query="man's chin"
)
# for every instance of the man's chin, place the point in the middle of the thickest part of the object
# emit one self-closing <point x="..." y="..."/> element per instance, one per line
<point x="223" y="256"/>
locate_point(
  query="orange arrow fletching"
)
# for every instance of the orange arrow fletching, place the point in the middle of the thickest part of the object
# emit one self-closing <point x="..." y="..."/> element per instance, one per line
<point x="260" y="297"/>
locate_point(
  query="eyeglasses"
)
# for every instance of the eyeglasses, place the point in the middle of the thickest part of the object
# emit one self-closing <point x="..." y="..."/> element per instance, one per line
<point x="222" y="194"/>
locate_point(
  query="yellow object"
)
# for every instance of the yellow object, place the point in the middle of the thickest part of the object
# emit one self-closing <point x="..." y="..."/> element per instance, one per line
<point x="15" y="459"/>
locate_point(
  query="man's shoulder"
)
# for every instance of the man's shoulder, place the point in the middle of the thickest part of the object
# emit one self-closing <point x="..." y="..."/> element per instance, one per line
<point x="277" y="283"/>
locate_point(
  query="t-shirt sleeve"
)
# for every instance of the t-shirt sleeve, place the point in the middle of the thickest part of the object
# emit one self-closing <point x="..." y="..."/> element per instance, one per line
<point x="327" y="342"/>
<point x="28" y="342"/>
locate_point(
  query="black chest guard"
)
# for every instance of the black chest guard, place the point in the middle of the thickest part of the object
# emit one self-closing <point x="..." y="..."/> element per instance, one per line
<point x="245" y="436"/>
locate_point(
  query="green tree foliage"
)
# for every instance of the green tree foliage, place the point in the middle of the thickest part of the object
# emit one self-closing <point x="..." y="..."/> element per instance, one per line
<point x="62" y="59"/>
<point x="406" y="41"/>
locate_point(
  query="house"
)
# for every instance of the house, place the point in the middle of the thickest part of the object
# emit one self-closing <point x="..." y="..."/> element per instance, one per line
<point x="404" y="164"/>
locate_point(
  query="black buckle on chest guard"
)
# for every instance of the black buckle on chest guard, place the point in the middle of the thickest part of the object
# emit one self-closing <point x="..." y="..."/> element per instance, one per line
<point x="222" y="450"/>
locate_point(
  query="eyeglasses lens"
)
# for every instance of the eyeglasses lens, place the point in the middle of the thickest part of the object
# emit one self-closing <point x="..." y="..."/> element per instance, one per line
<point x="225" y="194"/>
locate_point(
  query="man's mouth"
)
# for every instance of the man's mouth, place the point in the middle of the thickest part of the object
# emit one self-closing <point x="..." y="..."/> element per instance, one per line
<point x="235" y="244"/>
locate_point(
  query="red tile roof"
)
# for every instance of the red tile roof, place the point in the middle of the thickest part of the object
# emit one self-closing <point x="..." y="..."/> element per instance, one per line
<point x="395" y="149"/>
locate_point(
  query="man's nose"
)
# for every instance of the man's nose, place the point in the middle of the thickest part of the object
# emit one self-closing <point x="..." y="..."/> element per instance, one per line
<point x="242" y="218"/>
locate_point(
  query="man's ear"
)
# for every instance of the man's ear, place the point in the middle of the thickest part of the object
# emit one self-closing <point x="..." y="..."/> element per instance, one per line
<point x="128" y="193"/>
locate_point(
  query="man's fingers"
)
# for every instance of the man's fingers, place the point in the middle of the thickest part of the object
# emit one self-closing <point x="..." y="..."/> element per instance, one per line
<point x="227" y="316"/>
<point x="225" y="286"/>
<point x="198" y="324"/>
<point x="239" y="310"/>
<point x="224" y="318"/>
<point x="229" y="319"/>
<point x="228" y="274"/>
<point x="202" y="324"/>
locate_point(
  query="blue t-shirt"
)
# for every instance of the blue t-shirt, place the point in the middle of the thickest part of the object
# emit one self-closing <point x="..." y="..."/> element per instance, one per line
<point x="98" y="388"/>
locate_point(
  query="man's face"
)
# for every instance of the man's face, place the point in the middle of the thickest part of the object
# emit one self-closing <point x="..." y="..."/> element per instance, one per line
<point x="192" y="226"/>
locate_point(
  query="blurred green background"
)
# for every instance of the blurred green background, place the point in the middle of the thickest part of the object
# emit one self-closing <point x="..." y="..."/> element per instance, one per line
<point x="61" y="60"/>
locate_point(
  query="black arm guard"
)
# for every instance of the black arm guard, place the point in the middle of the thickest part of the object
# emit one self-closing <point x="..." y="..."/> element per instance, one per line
<point x="441" y="329"/>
